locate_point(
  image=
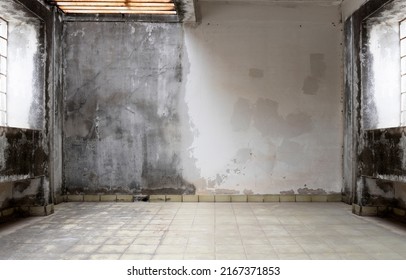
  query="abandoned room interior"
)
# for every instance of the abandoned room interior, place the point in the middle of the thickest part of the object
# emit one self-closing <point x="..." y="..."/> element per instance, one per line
<point x="202" y="129"/>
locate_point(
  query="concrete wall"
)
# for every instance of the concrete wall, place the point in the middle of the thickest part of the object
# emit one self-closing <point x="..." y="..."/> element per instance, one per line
<point x="375" y="163"/>
<point x="263" y="93"/>
<point x="28" y="177"/>
<point x="22" y="168"/>
<point x="247" y="101"/>
<point x="122" y="98"/>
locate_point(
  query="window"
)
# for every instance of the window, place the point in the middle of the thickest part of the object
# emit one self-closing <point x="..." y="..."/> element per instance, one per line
<point x="383" y="67"/>
<point x="402" y="34"/>
<point x="3" y="72"/>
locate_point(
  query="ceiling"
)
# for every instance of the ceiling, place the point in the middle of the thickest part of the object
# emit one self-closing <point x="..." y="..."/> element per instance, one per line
<point x="153" y="7"/>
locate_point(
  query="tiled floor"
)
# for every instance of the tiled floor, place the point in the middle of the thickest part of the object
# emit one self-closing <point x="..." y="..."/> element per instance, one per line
<point x="203" y="231"/>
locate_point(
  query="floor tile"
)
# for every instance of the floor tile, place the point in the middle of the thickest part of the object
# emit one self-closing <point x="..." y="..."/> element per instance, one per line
<point x="231" y="256"/>
<point x="104" y="256"/>
<point x="112" y="249"/>
<point x="231" y="249"/>
<point x="203" y="231"/>
<point x="141" y="249"/>
<point x="269" y="256"/>
<point x="129" y="256"/>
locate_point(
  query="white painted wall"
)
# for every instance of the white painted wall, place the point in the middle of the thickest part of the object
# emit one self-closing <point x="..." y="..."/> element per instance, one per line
<point x="264" y="99"/>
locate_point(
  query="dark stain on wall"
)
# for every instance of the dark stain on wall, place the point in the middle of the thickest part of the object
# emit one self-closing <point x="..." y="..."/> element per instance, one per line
<point x="377" y="192"/>
<point x="268" y="121"/>
<point x="382" y="153"/>
<point x="122" y="101"/>
<point x="24" y="153"/>
<point x="317" y="72"/>
<point x="373" y="159"/>
<point x="242" y="115"/>
<point x="307" y="191"/>
<point x="23" y="167"/>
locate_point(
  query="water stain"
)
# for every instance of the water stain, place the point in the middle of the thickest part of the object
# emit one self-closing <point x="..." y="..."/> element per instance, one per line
<point x="256" y="73"/>
<point x="287" y="192"/>
<point x="310" y="85"/>
<point x="289" y="151"/>
<point x="226" y="191"/>
<point x="266" y="118"/>
<point x="317" y="72"/>
<point x="307" y="191"/>
<point x="242" y="115"/>
<point x="317" y="65"/>
<point x="270" y="123"/>
<point x="248" y="192"/>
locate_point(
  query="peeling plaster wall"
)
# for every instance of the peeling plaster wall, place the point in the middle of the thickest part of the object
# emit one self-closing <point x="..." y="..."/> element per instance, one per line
<point x="247" y="101"/>
<point x="263" y="96"/>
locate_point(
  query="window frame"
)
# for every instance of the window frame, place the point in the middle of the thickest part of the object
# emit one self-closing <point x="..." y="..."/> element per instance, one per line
<point x="402" y="55"/>
<point x="3" y="71"/>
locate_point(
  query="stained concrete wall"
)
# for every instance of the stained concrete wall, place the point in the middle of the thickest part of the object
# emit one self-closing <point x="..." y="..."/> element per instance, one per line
<point x="122" y="98"/>
<point x="247" y="101"/>
<point x="28" y="177"/>
<point x="374" y="158"/>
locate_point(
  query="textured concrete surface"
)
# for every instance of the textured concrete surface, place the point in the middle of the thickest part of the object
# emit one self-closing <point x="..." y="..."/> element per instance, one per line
<point x="27" y="174"/>
<point x="202" y="231"/>
<point x="194" y="109"/>
<point x="374" y="173"/>
<point x="121" y="129"/>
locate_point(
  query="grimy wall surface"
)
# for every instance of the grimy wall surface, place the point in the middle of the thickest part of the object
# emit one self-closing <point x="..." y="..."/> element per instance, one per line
<point x="123" y="91"/>
<point x="247" y="101"/>
<point x="30" y="146"/>
<point x="375" y="145"/>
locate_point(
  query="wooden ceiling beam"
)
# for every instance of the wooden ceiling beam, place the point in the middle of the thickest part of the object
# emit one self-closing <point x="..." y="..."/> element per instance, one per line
<point x="109" y="4"/>
<point x="116" y="6"/>
<point x="114" y="1"/>
<point x="96" y="11"/>
<point x="123" y="9"/>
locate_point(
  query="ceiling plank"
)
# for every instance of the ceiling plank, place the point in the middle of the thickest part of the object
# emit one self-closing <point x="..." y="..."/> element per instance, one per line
<point x="93" y="11"/>
<point x="117" y="6"/>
